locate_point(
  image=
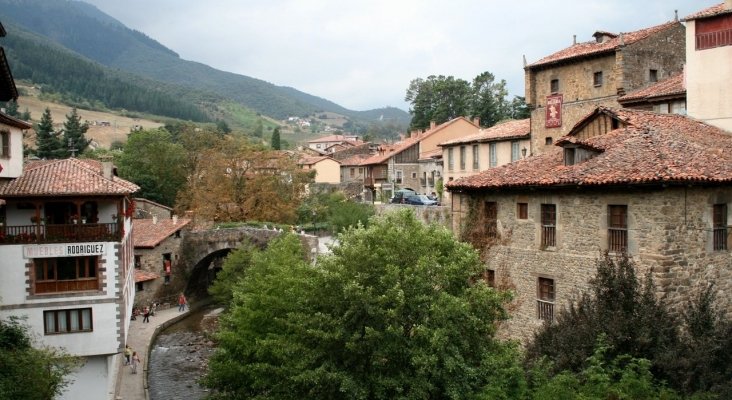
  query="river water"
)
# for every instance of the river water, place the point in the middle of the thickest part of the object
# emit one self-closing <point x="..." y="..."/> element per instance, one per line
<point x="179" y="358"/>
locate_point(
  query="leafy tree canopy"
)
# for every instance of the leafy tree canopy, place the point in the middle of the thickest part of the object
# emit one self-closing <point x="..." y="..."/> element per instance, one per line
<point x="391" y="313"/>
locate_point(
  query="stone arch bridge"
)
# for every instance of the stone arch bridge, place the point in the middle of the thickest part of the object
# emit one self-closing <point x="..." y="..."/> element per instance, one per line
<point x="202" y="252"/>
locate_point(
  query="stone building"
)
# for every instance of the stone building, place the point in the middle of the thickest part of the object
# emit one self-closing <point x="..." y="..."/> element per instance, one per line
<point x="666" y="96"/>
<point x="564" y="86"/>
<point x="157" y="243"/>
<point x="657" y="186"/>
<point x="490" y="147"/>
<point x="708" y="66"/>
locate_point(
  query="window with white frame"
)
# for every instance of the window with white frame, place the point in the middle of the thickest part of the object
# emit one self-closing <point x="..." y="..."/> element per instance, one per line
<point x="67" y="321"/>
<point x="492" y="156"/>
<point x="515" y="151"/>
<point x="450" y="159"/>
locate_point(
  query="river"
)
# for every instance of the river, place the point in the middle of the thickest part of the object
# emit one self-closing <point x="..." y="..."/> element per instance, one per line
<point x="179" y="358"/>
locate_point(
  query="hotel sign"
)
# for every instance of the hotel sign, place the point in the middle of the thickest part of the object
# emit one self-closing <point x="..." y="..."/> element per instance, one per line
<point x="63" y="250"/>
<point x="553" y="111"/>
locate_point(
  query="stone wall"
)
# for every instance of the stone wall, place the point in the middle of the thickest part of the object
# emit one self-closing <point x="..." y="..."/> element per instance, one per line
<point x="439" y="215"/>
<point x="151" y="260"/>
<point x="669" y="234"/>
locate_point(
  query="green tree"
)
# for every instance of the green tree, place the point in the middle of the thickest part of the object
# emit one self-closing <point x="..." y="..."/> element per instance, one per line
<point x="488" y="99"/>
<point x="235" y="266"/>
<point x="155" y="163"/>
<point x="28" y="372"/>
<point x="222" y="127"/>
<point x="347" y="213"/>
<point x="276" y="145"/>
<point x="26" y="115"/>
<point x="518" y="108"/>
<point x="74" y="136"/>
<point x="391" y="313"/>
<point x="258" y="128"/>
<point x="11" y="108"/>
<point x="48" y="145"/>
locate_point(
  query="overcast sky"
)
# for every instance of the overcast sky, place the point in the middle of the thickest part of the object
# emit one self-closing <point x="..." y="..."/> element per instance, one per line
<point x="362" y="54"/>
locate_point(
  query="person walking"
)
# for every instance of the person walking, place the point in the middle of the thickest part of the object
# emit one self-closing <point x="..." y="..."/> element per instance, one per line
<point x="134" y="361"/>
<point x="128" y="354"/>
<point x="146" y="315"/>
<point x="181" y="302"/>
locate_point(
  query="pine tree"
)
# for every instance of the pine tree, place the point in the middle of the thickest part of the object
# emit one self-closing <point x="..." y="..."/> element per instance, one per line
<point x="74" y="131"/>
<point x="47" y="143"/>
<point x="276" y="145"/>
<point x="11" y="108"/>
<point x="26" y="115"/>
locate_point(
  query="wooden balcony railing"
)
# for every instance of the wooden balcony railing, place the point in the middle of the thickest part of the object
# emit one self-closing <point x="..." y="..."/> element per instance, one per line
<point x="720" y="238"/>
<point x="545" y="310"/>
<point x="60" y="233"/>
<point x="617" y="240"/>
<point x="548" y="236"/>
<point x="76" y="285"/>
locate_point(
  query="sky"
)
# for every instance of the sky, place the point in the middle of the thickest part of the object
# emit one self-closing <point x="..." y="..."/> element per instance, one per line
<point x="362" y="54"/>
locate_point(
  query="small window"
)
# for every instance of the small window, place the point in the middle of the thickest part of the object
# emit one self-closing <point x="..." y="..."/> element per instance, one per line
<point x="515" y="151"/>
<point x="450" y="159"/>
<point x="489" y="276"/>
<point x="548" y="141"/>
<point x="317" y="146"/>
<point x="352" y="172"/>
<point x="569" y="154"/>
<point x="548" y="225"/>
<point x="399" y="177"/>
<point x="414" y="175"/>
<point x="597" y="78"/>
<point x="476" y="159"/>
<point x="617" y="227"/>
<point x="653" y="75"/>
<point x="522" y="210"/>
<point x="492" y="156"/>
<point x="4" y="144"/>
<point x="138" y="261"/>
<point x="545" y="293"/>
<point x="139" y="286"/>
<point x="719" y="221"/>
<point x="554" y="86"/>
<point x="67" y="321"/>
<point x="462" y="158"/>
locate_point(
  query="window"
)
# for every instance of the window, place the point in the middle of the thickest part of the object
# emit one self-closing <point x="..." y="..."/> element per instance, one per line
<point x="65" y="274"/>
<point x="545" y="299"/>
<point x="515" y="151"/>
<point x="548" y="141"/>
<point x="492" y="156"/>
<point x="522" y="210"/>
<point x="548" y="225"/>
<point x="653" y="75"/>
<point x="597" y="78"/>
<point x="476" y="157"/>
<point x="719" y="221"/>
<point x="713" y="32"/>
<point x="617" y="228"/>
<point x="450" y="159"/>
<point x="138" y="261"/>
<point x="139" y="286"/>
<point x="414" y="175"/>
<point x="490" y="213"/>
<point x="399" y="177"/>
<point x="569" y="155"/>
<point x="462" y="158"/>
<point x="4" y="144"/>
<point x="67" y="321"/>
<point x="352" y="172"/>
<point x="489" y="276"/>
<point x="317" y="146"/>
<point x="554" y="86"/>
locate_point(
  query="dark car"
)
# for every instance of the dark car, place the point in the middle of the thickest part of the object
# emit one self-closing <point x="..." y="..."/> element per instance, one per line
<point x="401" y="195"/>
<point x="421" y="200"/>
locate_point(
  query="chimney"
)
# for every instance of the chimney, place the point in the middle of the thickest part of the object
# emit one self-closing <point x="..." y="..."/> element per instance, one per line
<point x="433" y="124"/>
<point x="107" y="168"/>
<point x="676" y="15"/>
<point x="574" y="39"/>
<point x="476" y="121"/>
<point x="175" y="220"/>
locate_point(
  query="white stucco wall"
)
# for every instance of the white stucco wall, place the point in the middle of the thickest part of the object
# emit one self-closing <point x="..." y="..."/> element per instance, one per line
<point x="95" y="379"/>
<point x="13" y="166"/>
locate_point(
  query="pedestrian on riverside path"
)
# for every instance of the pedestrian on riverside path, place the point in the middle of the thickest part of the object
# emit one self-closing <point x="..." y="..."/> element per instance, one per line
<point x="181" y="303"/>
<point x="146" y="315"/>
<point x="128" y="354"/>
<point x="133" y="363"/>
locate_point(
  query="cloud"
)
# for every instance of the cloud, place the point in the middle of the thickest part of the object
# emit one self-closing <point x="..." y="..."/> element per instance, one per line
<point x="362" y="54"/>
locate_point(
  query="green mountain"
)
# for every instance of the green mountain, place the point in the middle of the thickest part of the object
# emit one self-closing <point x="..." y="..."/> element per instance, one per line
<point x="89" y="32"/>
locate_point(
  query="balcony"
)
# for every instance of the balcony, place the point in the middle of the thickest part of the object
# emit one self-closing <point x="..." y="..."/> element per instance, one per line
<point x="61" y="233"/>
<point x="545" y="310"/>
<point x="617" y="240"/>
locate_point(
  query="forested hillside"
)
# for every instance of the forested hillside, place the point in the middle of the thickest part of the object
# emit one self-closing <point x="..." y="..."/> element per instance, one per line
<point x="87" y="84"/>
<point x="99" y="37"/>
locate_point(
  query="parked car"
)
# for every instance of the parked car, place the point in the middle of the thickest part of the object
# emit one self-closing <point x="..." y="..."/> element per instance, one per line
<point x="421" y="199"/>
<point x="401" y="195"/>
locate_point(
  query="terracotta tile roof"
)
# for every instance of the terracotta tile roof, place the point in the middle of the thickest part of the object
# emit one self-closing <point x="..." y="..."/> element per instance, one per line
<point x="146" y="234"/>
<point x="594" y="48"/>
<point x="653" y="148"/>
<point x="337" y="138"/>
<point x="516" y="129"/>
<point x="65" y="177"/>
<point x="671" y="87"/>
<point x="312" y="160"/>
<point x="430" y="155"/>
<point x="708" y="12"/>
<point x="14" y="122"/>
<point x="388" y="151"/>
<point x="354" y="160"/>
<point x="142" y="276"/>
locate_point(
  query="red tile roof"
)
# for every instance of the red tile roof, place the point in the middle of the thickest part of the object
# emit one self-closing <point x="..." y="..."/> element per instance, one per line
<point x="708" y="12"/>
<point x="354" y="160"/>
<point x="671" y="87"/>
<point x="653" y="148"/>
<point x="66" y="177"/>
<point x="312" y="160"/>
<point x="337" y="138"/>
<point x="146" y="234"/>
<point x="516" y="129"/>
<point x="430" y="155"/>
<point x="594" y="48"/>
<point x="388" y="151"/>
<point x="14" y="122"/>
<point x="142" y="276"/>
